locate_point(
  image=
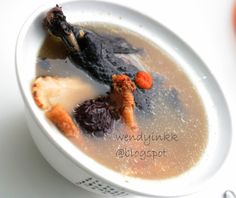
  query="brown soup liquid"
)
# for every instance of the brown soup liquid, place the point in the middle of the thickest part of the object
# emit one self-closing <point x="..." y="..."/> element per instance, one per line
<point x="169" y="144"/>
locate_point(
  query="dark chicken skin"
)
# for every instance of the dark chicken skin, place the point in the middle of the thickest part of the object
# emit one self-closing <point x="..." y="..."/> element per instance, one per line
<point x="97" y="55"/>
<point x="92" y="52"/>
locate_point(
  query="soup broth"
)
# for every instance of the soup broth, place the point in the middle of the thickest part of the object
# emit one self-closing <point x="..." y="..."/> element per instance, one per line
<point x="169" y="144"/>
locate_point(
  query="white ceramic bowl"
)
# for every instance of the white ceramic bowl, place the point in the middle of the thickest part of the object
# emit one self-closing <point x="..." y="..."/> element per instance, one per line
<point x="77" y="166"/>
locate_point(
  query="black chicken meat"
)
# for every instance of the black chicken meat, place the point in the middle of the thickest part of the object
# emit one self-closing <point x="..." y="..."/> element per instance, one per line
<point x="97" y="55"/>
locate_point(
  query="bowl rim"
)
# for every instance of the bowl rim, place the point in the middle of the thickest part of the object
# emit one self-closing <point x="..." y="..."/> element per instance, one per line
<point x="61" y="148"/>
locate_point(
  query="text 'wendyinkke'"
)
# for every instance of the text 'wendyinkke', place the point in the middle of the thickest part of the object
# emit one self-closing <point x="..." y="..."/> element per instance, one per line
<point x="148" y="138"/>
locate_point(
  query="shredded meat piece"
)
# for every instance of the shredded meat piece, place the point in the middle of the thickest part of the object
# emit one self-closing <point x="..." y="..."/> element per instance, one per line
<point x="62" y="120"/>
<point x="123" y="98"/>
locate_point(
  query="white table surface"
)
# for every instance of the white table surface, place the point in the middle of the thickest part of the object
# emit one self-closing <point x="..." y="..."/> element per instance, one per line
<point x="204" y="24"/>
